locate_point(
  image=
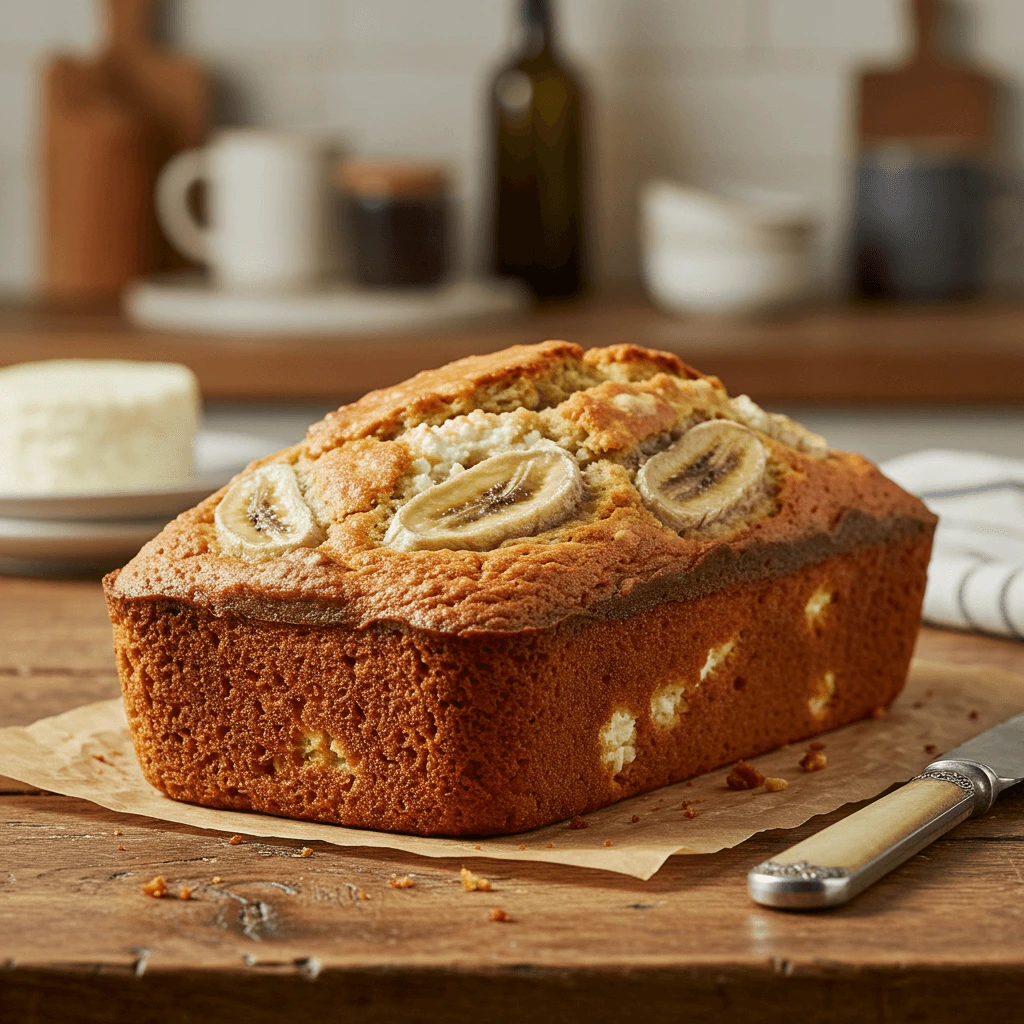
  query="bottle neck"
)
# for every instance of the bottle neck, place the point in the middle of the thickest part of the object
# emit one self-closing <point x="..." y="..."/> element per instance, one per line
<point x="537" y="27"/>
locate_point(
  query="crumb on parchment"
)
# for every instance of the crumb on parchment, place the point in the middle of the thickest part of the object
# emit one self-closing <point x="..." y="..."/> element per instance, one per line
<point x="775" y="785"/>
<point x="156" y="887"/>
<point x="474" y="883"/>
<point x="497" y="914"/>
<point x="744" y="776"/>
<point x="813" y="760"/>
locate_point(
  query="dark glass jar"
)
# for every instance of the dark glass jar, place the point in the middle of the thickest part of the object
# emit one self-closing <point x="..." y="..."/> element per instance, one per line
<point x="397" y="218"/>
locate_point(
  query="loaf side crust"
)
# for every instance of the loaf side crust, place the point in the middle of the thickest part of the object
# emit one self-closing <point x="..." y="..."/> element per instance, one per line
<point x="390" y="726"/>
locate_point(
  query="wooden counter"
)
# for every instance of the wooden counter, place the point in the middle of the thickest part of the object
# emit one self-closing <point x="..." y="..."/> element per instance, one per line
<point x="286" y="938"/>
<point x="916" y="354"/>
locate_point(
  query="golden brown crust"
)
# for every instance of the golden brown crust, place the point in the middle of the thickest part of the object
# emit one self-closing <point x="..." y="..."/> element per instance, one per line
<point x="351" y="472"/>
<point x="433" y="395"/>
<point x="350" y="479"/>
<point x="640" y="363"/>
<point x="519" y="585"/>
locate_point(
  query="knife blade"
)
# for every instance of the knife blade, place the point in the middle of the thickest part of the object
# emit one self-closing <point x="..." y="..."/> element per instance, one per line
<point x="837" y="863"/>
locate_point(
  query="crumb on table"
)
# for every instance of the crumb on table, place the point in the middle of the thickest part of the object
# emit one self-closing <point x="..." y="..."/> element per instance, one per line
<point x="185" y="892"/>
<point x="744" y="776"/>
<point x="121" y="847"/>
<point x="521" y="846"/>
<point x="118" y="832"/>
<point x="216" y="880"/>
<point x="405" y="882"/>
<point x="607" y="842"/>
<point x="156" y="887"/>
<point x="363" y="895"/>
<point x="234" y="840"/>
<point x="578" y="822"/>
<point x="306" y="851"/>
<point x="497" y="914"/>
<point x="549" y="846"/>
<point x="813" y="761"/>
<point x="775" y="785"/>
<point x="474" y="883"/>
<point x="634" y="819"/>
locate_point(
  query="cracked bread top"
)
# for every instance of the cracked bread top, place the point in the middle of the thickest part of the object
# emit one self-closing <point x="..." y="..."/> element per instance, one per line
<point x="611" y="409"/>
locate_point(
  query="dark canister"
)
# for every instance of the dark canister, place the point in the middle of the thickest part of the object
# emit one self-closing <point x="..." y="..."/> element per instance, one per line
<point x="919" y="223"/>
<point x="397" y="219"/>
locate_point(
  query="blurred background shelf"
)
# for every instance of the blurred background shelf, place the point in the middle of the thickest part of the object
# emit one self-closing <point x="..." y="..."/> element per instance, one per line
<point x="969" y="354"/>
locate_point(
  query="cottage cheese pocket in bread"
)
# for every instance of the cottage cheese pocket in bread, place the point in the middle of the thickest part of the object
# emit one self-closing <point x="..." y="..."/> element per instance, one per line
<point x="511" y="590"/>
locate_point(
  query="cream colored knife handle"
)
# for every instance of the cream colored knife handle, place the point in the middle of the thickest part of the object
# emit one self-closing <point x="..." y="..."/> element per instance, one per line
<point x="844" y="859"/>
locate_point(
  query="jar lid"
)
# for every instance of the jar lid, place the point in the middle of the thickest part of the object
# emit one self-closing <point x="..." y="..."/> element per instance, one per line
<point x="386" y="179"/>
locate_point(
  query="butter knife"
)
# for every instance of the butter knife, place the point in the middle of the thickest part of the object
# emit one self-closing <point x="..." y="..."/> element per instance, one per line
<point x="837" y="863"/>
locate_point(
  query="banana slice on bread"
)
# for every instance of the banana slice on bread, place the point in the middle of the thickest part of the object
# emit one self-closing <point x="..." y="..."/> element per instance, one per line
<point x="515" y="494"/>
<point x="263" y="516"/>
<point x="715" y="469"/>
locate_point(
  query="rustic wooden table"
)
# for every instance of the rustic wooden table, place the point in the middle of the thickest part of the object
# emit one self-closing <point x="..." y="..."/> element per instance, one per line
<point x="956" y="353"/>
<point x="283" y="937"/>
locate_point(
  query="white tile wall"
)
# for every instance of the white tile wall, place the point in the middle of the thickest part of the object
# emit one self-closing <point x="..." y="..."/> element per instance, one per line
<point x="717" y="92"/>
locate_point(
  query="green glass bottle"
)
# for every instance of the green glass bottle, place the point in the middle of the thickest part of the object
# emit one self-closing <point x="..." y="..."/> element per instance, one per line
<point x="538" y="144"/>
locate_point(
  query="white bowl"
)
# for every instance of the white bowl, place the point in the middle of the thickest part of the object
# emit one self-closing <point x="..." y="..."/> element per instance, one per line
<point x="724" y="280"/>
<point x="709" y="253"/>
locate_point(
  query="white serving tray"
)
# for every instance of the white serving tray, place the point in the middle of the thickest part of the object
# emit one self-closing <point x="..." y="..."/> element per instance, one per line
<point x="188" y="302"/>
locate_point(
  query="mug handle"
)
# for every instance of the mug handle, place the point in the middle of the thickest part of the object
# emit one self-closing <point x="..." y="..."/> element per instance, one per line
<point x="178" y="175"/>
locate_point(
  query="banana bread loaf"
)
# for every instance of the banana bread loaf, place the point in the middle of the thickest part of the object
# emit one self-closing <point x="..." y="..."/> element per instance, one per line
<point x="512" y="590"/>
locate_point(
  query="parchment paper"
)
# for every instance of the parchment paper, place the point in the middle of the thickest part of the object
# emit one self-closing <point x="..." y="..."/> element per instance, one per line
<point x="87" y="753"/>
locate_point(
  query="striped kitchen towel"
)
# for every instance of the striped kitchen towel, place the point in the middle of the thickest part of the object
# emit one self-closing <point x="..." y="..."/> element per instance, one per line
<point x="976" y="576"/>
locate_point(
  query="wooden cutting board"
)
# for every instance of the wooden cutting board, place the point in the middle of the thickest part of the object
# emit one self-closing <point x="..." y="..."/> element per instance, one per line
<point x="931" y="100"/>
<point x="108" y="124"/>
<point x="269" y="935"/>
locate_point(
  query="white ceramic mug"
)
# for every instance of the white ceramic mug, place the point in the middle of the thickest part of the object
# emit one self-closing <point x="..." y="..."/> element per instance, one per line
<point x="267" y="199"/>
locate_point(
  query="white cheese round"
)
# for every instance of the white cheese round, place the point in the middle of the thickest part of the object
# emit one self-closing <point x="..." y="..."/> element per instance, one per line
<point x="93" y="426"/>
